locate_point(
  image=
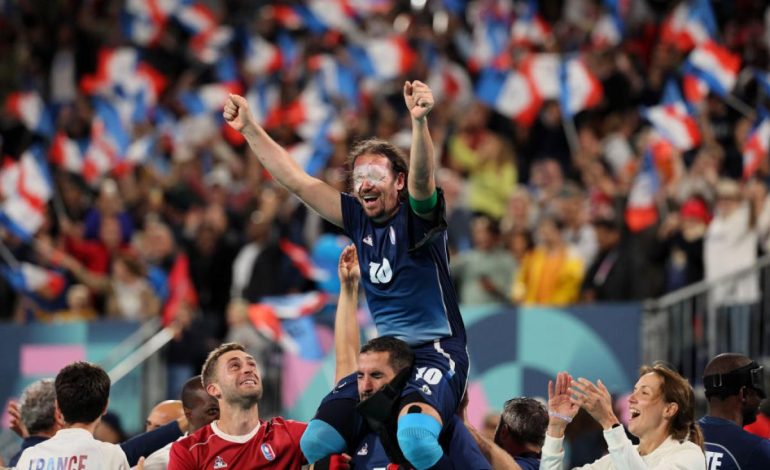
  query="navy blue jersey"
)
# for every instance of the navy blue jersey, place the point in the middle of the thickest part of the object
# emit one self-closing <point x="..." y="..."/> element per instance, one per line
<point x="728" y="447"/>
<point x="455" y="439"/>
<point x="409" y="292"/>
<point x="528" y="463"/>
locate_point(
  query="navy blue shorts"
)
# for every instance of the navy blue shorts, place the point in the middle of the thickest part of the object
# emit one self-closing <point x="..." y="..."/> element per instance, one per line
<point x="440" y="375"/>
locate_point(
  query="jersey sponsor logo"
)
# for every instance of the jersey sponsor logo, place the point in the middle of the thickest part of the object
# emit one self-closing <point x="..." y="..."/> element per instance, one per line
<point x="364" y="450"/>
<point x="368" y="240"/>
<point x="392" y="236"/>
<point x="268" y="452"/>
<point x="219" y="463"/>
<point x="380" y="273"/>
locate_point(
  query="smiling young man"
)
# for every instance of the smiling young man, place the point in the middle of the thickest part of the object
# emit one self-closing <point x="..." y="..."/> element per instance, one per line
<point x="395" y="217"/>
<point x="238" y="439"/>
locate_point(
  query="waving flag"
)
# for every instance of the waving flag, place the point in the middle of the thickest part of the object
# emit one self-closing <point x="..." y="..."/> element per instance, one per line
<point x="510" y="93"/>
<point x="580" y="89"/>
<point x="209" y="39"/>
<point x="144" y="21"/>
<point x="301" y="260"/>
<point x="713" y="66"/>
<point x="264" y="101"/>
<point x="29" y="279"/>
<point x="109" y="142"/>
<point x="384" y="58"/>
<point x="755" y="150"/>
<point x="336" y="80"/>
<point x="641" y="211"/>
<point x="66" y="153"/>
<point x="491" y="37"/>
<point x="450" y="81"/>
<point x="209" y="98"/>
<point x="689" y="24"/>
<point x="673" y="120"/>
<point x="261" y="57"/>
<point x="26" y="188"/>
<point x="337" y="15"/>
<point x="610" y="28"/>
<point x="530" y="29"/>
<point x="29" y="108"/>
<point x="675" y="124"/>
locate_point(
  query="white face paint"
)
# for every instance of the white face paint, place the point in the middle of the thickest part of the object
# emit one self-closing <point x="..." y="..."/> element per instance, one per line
<point x="374" y="174"/>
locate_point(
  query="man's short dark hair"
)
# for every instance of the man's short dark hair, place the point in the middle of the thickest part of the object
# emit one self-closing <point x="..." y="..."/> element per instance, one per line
<point x="210" y="366"/>
<point x="401" y="355"/>
<point x="190" y="391"/>
<point x="38" y="406"/>
<point x="526" y="420"/>
<point x="82" y="392"/>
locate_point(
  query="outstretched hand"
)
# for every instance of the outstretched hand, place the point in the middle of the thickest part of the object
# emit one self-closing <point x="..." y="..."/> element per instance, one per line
<point x="560" y="405"/>
<point x="348" y="269"/>
<point x="237" y="112"/>
<point x="595" y="399"/>
<point x="418" y="99"/>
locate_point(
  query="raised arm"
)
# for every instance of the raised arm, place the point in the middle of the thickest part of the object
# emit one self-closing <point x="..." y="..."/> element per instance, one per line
<point x="421" y="182"/>
<point x="320" y="196"/>
<point x="347" y="339"/>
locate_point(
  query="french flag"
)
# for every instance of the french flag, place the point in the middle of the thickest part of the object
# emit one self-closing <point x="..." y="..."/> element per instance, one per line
<point x="208" y="38"/>
<point x="295" y="335"/>
<point x="313" y="155"/>
<point x="264" y="100"/>
<point x="580" y="89"/>
<point x="336" y="80"/>
<point x="691" y="23"/>
<point x="510" y="93"/>
<point x="675" y="124"/>
<point x="29" y="108"/>
<point x="449" y="81"/>
<point x="144" y="21"/>
<point x="261" y="57"/>
<point x="29" y="278"/>
<point x="384" y="58"/>
<point x="673" y="120"/>
<point x="208" y="98"/>
<point x="530" y="29"/>
<point x="66" y="153"/>
<point x="337" y="15"/>
<point x="543" y="71"/>
<point x="755" y="150"/>
<point x="714" y="66"/>
<point x="641" y="211"/>
<point x="26" y="187"/>
<point x="109" y="142"/>
<point x="491" y="37"/>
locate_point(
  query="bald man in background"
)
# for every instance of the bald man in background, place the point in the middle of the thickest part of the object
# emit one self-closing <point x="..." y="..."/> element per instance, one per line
<point x="164" y="413"/>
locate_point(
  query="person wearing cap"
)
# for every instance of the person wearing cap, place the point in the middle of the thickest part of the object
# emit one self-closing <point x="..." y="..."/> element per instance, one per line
<point x="734" y="388"/>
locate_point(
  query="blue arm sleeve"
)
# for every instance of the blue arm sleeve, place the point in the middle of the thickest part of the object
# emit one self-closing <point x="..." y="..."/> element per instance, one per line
<point x="146" y="443"/>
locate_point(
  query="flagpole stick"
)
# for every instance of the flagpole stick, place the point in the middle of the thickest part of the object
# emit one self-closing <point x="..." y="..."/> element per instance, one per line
<point x="570" y="131"/>
<point x="8" y="257"/>
<point x="740" y="106"/>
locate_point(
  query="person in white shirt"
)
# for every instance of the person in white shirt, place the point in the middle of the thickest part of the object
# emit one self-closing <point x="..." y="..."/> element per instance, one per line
<point x="200" y="409"/>
<point x="82" y="395"/>
<point x="662" y="417"/>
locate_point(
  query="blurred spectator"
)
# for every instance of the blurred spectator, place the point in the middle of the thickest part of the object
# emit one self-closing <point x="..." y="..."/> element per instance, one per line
<point x="484" y="273"/>
<point x="163" y="413"/>
<point x="578" y="231"/>
<point x="110" y="429"/>
<point x="130" y="295"/>
<point x="520" y="243"/>
<point x="487" y="160"/>
<point x="458" y="215"/>
<point x="108" y="204"/>
<point x="79" y="306"/>
<point x="732" y="230"/>
<point x="521" y="213"/>
<point x="611" y="276"/>
<point x="681" y="238"/>
<point x="552" y="272"/>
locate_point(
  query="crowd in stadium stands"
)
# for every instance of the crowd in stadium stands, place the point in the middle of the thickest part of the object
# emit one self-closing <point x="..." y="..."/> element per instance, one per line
<point x="589" y="151"/>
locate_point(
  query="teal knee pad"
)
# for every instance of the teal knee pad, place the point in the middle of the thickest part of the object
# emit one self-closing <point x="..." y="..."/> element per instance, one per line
<point x="418" y="439"/>
<point x="320" y="440"/>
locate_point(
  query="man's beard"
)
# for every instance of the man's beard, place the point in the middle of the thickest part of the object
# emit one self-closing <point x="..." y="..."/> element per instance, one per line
<point x="749" y="415"/>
